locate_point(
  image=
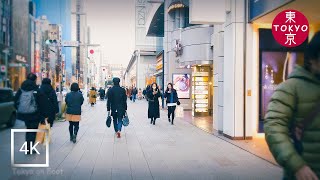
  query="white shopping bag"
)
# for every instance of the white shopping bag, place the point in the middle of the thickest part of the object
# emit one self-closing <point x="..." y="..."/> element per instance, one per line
<point x="179" y="112"/>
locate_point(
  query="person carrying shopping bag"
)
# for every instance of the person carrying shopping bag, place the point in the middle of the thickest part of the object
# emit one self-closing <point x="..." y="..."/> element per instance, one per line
<point x="74" y="101"/>
<point x="117" y="104"/>
<point x="153" y="102"/>
<point x="172" y="101"/>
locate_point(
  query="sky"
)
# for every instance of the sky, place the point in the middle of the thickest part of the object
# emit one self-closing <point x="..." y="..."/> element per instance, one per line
<point x="112" y="25"/>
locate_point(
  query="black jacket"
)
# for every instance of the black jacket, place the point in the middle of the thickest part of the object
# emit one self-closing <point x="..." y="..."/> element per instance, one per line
<point x="117" y="101"/>
<point x="53" y="101"/>
<point x="74" y="101"/>
<point x="153" y="101"/>
<point x="41" y="100"/>
<point x="167" y="95"/>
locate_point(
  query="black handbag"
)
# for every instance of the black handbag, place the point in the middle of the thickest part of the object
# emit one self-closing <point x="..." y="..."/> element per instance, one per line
<point x="108" y="122"/>
<point x="125" y="120"/>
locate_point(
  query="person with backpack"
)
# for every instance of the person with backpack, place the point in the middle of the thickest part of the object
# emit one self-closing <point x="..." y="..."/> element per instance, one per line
<point x="74" y="101"/>
<point x="117" y="104"/>
<point x="292" y="121"/>
<point x="32" y="107"/>
<point x="172" y="101"/>
<point x="53" y="100"/>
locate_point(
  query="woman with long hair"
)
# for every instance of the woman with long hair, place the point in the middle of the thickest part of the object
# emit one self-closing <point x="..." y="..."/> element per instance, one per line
<point x="153" y="100"/>
<point x="172" y="101"/>
<point x="74" y="101"/>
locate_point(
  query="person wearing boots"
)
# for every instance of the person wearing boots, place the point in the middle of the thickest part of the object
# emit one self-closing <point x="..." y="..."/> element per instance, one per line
<point x="117" y="104"/>
<point x="74" y="101"/>
<point x="153" y="99"/>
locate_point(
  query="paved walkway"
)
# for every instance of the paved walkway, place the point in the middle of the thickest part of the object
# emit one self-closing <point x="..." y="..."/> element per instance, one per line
<point x="146" y="152"/>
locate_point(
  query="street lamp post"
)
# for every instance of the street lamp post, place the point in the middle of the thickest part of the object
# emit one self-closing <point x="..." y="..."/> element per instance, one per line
<point x="6" y="52"/>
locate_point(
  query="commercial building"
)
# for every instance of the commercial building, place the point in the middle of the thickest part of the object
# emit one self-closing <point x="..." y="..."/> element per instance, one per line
<point x="142" y="66"/>
<point x="248" y="63"/>
<point x="59" y="12"/>
<point x="187" y="56"/>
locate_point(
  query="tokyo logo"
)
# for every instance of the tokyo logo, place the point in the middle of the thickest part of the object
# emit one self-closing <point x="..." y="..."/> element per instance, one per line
<point x="290" y="28"/>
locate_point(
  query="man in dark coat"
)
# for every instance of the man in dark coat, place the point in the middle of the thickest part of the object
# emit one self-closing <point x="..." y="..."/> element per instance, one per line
<point x="53" y="101"/>
<point x="117" y="103"/>
<point x="31" y="119"/>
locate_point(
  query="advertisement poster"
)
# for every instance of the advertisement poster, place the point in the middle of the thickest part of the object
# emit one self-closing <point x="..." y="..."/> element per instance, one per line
<point x="181" y="82"/>
<point x="275" y="68"/>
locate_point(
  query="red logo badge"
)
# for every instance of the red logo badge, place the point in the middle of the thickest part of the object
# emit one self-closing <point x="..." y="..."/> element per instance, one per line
<point x="290" y="28"/>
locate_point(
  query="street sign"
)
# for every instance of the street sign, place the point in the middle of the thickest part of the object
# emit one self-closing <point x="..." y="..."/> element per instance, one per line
<point x="70" y="43"/>
<point x="3" y="68"/>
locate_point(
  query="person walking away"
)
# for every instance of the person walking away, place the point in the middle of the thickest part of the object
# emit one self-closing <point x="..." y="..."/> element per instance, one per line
<point x="101" y="93"/>
<point x="294" y="107"/>
<point x="32" y="107"/>
<point x="53" y="100"/>
<point x="153" y="102"/>
<point x="92" y="96"/>
<point x="134" y="94"/>
<point x="74" y="101"/>
<point x="172" y="101"/>
<point x="117" y="104"/>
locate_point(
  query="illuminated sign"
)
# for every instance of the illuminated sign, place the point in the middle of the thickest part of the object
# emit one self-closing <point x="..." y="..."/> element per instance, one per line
<point x="177" y="5"/>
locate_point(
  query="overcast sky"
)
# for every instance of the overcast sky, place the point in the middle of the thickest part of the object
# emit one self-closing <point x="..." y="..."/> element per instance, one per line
<point x="112" y="25"/>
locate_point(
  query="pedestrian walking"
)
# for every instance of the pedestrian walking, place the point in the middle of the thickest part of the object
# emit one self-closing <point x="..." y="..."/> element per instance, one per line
<point x="292" y="122"/>
<point x="134" y="94"/>
<point x="53" y="100"/>
<point x="153" y="102"/>
<point x="140" y="94"/>
<point x="172" y="100"/>
<point x="117" y="104"/>
<point x="32" y="107"/>
<point x="92" y="96"/>
<point x="74" y="101"/>
<point x="102" y="93"/>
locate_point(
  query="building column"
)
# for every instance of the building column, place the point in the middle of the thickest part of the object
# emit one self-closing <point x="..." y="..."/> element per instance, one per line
<point x="233" y="72"/>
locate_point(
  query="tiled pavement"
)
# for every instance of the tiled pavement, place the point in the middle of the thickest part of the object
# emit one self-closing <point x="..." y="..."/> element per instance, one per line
<point x="145" y="151"/>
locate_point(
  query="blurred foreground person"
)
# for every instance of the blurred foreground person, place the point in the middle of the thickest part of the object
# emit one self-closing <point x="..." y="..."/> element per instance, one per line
<point x="292" y="122"/>
<point x="32" y="107"/>
<point x="53" y="100"/>
<point x="74" y="101"/>
<point x="117" y="104"/>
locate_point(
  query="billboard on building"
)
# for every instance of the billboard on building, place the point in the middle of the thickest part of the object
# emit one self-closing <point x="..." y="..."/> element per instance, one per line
<point x="181" y="83"/>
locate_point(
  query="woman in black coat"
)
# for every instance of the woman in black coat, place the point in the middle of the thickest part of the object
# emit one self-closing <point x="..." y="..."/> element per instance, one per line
<point x="153" y="98"/>
<point x="47" y="89"/>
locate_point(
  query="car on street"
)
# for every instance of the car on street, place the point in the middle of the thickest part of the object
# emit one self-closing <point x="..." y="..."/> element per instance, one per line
<point x="7" y="109"/>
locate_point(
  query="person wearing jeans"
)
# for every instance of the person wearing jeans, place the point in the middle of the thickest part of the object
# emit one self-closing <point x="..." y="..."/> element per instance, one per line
<point x="172" y="101"/>
<point x="117" y="104"/>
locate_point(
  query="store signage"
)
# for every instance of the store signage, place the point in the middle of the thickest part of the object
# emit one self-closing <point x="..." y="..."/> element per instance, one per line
<point x="21" y="58"/>
<point x="70" y="43"/>
<point x="3" y="68"/>
<point x="201" y="74"/>
<point x="159" y="65"/>
<point x="290" y="28"/>
<point x="176" y="5"/>
<point x="258" y="8"/>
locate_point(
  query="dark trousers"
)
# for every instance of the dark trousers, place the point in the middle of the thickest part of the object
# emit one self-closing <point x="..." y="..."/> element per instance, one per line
<point x="51" y="119"/>
<point x="117" y="123"/>
<point x="171" y="110"/>
<point x="31" y="136"/>
<point x="73" y="128"/>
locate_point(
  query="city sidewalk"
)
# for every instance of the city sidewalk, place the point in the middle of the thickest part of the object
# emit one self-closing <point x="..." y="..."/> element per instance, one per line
<point x="163" y="151"/>
<point x="257" y="145"/>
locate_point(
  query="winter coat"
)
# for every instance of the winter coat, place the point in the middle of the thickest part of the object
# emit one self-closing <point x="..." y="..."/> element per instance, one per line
<point x="53" y="101"/>
<point x="167" y="95"/>
<point x="41" y="100"/>
<point x="92" y="96"/>
<point x="74" y="101"/>
<point x="117" y="101"/>
<point x="153" y="102"/>
<point x="293" y="100"/>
